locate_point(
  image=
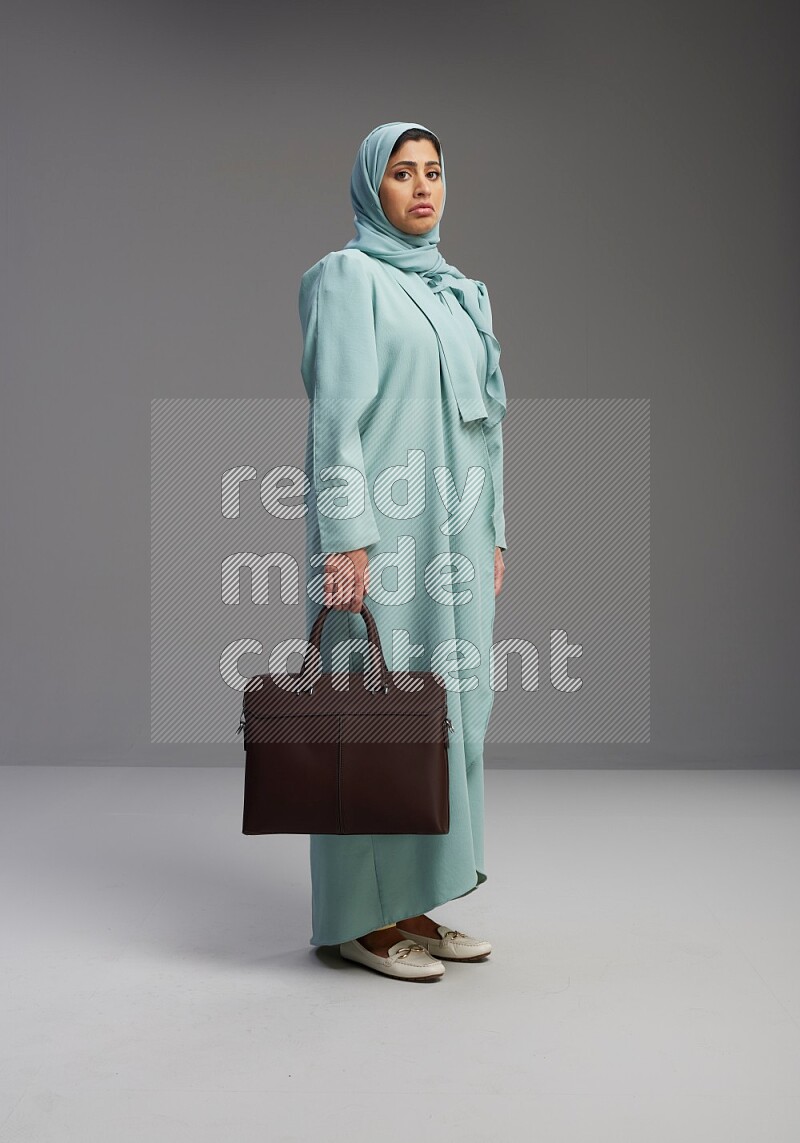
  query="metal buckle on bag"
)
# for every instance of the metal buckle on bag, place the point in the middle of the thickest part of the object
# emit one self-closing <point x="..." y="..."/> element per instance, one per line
<point x="379" y="687"/>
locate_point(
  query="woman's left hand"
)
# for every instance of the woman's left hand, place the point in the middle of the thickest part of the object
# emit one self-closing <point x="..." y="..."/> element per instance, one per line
<point x="499" y="569"/>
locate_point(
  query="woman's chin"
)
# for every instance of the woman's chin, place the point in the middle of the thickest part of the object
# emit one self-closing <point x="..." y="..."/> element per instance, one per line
<point x="418" y="226"/>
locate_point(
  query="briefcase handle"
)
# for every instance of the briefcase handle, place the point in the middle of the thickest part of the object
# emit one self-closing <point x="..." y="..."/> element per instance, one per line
<point x="373" y="636"/>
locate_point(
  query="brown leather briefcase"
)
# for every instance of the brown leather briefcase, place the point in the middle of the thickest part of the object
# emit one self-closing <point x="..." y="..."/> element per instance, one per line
<point x="345" y="753"/>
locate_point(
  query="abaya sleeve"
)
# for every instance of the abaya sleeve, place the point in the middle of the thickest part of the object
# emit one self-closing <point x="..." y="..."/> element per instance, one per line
<point x="493" y="434"/>
<point x="340" y="373"/>
<point x="494" y="443"/>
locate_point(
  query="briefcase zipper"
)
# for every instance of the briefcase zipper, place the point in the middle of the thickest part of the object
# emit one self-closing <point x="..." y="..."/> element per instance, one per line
<point x="447" y="723"/>
<point x="239" y="730"/>
<point x="242" y="720"/>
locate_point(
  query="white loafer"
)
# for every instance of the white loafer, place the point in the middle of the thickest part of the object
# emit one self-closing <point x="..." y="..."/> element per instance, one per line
<point x="407" y="959"/>
<point x="452" y="945"/>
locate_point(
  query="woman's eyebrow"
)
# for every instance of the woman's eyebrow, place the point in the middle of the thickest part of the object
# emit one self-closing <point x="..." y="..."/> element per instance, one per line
<point x="413" y="163"/>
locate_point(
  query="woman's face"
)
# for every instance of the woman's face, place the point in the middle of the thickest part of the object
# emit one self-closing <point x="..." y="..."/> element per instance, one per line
<point x="413" y="180"/>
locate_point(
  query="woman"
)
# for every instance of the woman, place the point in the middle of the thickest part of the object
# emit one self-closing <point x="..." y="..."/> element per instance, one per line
<point x="401" y="368"/>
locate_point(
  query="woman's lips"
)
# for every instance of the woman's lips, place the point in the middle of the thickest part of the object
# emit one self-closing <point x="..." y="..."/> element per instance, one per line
<point x="422" y="210"/>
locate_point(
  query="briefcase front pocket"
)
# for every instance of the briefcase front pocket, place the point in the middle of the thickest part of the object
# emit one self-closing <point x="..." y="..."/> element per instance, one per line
<point x="389" y="769"/>
<point x="291" y="774"/>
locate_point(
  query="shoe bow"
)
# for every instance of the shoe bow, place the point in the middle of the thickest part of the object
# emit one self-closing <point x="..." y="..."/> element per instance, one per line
<point x="409" y="949"/>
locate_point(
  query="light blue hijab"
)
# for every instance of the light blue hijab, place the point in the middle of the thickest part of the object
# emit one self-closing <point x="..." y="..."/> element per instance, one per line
<point x="376" y="236"/>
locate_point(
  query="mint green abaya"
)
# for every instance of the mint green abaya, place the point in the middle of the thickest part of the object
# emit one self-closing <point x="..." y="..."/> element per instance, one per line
<point x="406" y="401"/>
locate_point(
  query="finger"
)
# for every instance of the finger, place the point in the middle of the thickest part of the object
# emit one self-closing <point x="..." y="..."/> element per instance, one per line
<point x="339" y="593"/>
<point x="347" y="581"/>
<point x="346" y="588"/>
<point x="327" y="587"/>
<point x="329" y="578"/>
<point x="332" y="581"/>
<point x="358" y="596"/>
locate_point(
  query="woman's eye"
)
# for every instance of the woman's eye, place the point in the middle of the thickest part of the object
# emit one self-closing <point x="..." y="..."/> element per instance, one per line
<point x="436" y="174"/>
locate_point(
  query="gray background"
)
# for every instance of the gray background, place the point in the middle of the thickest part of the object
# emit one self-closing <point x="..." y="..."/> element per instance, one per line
<point x="624" y="177"/>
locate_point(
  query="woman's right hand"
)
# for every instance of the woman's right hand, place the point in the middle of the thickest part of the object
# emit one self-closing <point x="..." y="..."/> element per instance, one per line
<point x="346" y="579"/>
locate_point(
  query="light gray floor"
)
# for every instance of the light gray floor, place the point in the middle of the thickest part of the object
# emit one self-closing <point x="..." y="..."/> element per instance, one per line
<point x="158" y="985"/>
